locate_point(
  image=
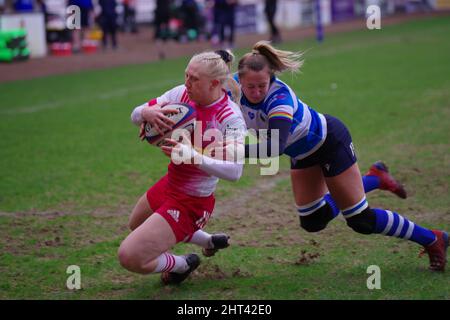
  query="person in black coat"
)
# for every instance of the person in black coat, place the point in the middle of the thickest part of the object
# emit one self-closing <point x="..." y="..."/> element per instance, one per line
<point x="161" y="19"/>
<point x="108" y="22"/>
<point x="224" y="19"/>
<point x="270" y="9"/>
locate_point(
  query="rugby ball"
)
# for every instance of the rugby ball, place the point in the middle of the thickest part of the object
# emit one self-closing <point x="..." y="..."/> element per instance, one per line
<point x="184" y="119"/>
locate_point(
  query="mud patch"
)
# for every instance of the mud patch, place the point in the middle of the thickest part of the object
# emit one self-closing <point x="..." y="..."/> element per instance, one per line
<point x="213" y="271"/>
<point x="266" y="209"/>
<point x="306" y="258"/>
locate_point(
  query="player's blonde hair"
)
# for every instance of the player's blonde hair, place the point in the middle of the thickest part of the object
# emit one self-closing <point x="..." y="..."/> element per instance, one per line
<point x="217" y="65"/>
<point x="264" y="55"/>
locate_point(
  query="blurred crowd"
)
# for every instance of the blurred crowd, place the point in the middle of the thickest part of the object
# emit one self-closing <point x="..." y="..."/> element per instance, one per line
<point x="178" y="20"/>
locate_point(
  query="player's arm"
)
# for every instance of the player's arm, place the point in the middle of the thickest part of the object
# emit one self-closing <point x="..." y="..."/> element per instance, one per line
<point x="228" y="170"/>
<point x="227" y="162"/>
<point x="136" y="115"/>
<point x="279" y="126"/>
<point x="154" y="116"/>
<point x="151" y="111"/>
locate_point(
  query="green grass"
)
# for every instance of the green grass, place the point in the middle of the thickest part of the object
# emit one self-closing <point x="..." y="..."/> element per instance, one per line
<point x="71" y="169"/>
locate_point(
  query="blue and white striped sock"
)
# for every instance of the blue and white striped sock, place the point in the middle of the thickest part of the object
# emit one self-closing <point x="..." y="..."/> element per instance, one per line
<point x="311" y="207"/>
<point x="370" y="183"/>
<point x="394" y="225"/>
<point x="332" y="204"/>
<point x="355" y="209"/>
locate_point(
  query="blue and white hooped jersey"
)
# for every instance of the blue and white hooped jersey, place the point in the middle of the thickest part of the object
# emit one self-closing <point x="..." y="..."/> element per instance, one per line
<point x="309" y="127"/>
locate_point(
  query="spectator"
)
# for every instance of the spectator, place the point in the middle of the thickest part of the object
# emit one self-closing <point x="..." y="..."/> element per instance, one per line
<point x="23" y="5"/>
<point x="191" y="18"/>
<point x="161" y="21"/>
<point x="86" y="11"/>
<point x="108" y="22"/>
<point x="224" y="13"/>
<point x="43" y="8"/>
<point x="270" y="9"/>
<point x="129" y="18"/>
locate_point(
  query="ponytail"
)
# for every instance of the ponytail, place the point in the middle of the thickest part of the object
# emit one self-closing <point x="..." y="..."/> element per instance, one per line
<point x="264" y="55"/>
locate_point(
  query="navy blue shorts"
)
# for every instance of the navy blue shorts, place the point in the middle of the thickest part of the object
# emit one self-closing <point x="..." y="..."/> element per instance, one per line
<point x="335" y="155"/>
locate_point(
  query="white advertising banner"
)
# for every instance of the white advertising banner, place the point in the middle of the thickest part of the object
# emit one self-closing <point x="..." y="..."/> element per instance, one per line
<point x="34" y="24"/>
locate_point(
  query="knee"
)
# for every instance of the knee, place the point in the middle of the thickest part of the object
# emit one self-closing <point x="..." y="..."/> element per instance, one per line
<point x="363" y="222"/>
<point x="317" y="220"/>
<point x="126" y="258"/>
<point x="131" y="260"/>
<point x="311" y="226"/>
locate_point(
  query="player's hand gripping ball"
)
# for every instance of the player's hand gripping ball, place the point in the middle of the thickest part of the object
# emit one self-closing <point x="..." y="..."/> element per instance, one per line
<point x="184" y="119"/>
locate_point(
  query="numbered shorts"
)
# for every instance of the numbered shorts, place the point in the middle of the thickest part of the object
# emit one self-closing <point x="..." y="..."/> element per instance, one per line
<point x="184" y="213"/>
<point x="335" y="155"/>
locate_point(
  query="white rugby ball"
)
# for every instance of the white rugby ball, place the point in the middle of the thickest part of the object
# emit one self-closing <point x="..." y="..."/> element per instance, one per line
<point x="184" y="119"/>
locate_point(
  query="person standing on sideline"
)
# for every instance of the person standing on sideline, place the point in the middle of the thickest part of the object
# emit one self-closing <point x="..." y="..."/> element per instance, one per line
<point x="129" y="16"/>
<point x="108" y="22"/>
<point x="224" y="22"/>
<point x="161" y="19"/>
<point x="86" y="19"/>
<point x="270" y="9"/>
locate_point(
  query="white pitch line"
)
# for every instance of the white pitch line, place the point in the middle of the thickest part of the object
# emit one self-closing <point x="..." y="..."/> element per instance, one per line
<point x="100" y="96"/>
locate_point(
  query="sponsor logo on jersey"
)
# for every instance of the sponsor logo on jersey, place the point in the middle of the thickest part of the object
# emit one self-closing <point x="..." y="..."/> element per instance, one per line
<point x="251" y="115"/>
<point x="233" y="131"/>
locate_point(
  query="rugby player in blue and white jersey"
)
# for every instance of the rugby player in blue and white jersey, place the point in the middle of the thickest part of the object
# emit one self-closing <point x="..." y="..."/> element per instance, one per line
<point x="325" y="176"/>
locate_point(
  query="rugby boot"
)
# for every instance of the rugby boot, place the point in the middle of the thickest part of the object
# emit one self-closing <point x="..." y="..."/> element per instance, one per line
<point x="387" y="182"/>
<point x="192" y="260"/>
<point x="219" y="241"/>
<point x="437" y="251"/>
